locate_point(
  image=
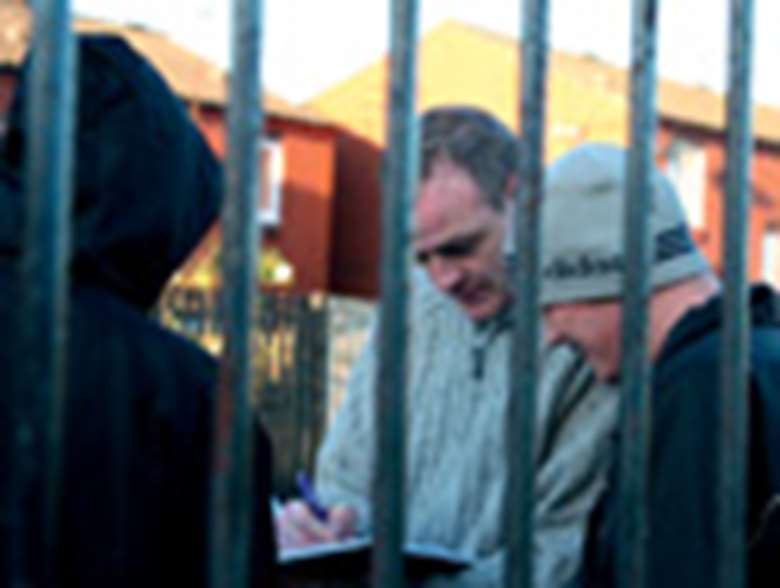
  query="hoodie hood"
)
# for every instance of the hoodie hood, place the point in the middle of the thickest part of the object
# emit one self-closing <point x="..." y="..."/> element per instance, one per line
<point x="147" y="186"/>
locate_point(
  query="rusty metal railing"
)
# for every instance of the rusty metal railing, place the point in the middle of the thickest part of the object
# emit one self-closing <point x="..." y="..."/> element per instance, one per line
<point x="635" y="413"/>
<point x="38" y="386"/>
<point x="232" y="466"/>
<point x="38" y="382"/>
<point x="524" y="367"/>
<point x="735" y="344"/>
<point x="398" y="185"/>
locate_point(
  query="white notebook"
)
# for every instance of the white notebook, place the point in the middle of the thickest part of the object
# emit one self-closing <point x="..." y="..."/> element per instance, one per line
<point x="352" y="557"/>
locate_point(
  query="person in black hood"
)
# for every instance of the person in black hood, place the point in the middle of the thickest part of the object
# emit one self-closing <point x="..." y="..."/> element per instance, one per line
<point x="581" y="295"/>
<point x="138" y="424"/>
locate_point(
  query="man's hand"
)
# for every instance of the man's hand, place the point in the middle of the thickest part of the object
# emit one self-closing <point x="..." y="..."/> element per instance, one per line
<point x="297" y="526"/>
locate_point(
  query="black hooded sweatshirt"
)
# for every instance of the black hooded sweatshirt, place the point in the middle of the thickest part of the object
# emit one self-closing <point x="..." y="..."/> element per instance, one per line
<point x="135" y="493"/>
<point x="683" y="476"/>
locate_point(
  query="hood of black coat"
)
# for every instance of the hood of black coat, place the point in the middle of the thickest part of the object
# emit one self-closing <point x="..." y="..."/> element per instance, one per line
<point x="146" y="188"/>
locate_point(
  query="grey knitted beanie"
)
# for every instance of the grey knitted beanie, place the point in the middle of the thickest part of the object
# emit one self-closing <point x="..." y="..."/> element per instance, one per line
<point x="582" y="228"/>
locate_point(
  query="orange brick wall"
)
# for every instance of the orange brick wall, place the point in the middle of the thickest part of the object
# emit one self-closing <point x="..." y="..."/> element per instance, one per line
<point x="305" y="232"/>
<point x="304" y="235"/>
<point x="766" y="194"/>
<point x="358" y="206"/>
<point x="7" y="87"/>
<point x="211" y="121"/>
<point x="357" y="210"/>
<point x="765" y="207"/>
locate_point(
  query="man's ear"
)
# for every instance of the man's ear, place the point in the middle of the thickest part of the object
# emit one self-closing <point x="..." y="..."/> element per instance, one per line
<point x="509" y="225"/>
<point x="510" y="190"/>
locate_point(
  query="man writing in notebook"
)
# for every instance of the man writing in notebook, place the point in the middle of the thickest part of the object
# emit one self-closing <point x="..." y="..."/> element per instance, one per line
<point x="458" y="386"/>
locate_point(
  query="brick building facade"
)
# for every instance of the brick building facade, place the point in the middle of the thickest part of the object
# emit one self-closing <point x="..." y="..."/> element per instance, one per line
<point x="587" y="101"/>
<point x="297" y="157"/>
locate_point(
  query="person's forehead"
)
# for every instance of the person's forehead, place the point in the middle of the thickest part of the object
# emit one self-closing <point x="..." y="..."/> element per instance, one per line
<point x="448" y="193"/>
<point x="439" y="219"/>
<point x="448" y="174"/>
<point x="437" y="208"/>
<point x="436" y="235"/>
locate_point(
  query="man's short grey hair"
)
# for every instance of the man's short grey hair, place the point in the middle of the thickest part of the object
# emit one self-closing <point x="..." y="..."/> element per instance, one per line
<point x="473" y="140"/>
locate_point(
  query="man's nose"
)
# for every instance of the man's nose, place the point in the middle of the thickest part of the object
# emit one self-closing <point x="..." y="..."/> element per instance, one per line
<point x="445" y="273"/>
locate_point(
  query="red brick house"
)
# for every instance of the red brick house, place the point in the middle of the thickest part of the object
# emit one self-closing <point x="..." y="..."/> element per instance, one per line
<point x="587" y="100"/>
<point x="297" y="154"/>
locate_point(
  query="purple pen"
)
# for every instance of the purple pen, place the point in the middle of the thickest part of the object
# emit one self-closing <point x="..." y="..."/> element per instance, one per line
<point x="310" y="497"/>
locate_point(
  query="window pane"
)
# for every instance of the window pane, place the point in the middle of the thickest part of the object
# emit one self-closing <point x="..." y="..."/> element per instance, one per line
<point x="687" y="168"/>
<point x="272" y="178"/>
<point x="770" y="259"/>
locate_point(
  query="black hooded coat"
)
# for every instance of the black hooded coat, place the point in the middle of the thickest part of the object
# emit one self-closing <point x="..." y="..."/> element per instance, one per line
<point x="683" y="472"/>
<point x="135" y="493"/>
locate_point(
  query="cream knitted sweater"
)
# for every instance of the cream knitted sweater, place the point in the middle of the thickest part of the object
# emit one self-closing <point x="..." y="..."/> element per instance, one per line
<point x="456" y="453"/>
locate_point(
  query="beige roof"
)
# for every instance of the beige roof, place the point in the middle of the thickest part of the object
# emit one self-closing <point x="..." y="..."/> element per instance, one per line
<point x="676" y="101"/>
<point x="486" y="75"/>
<point x="680" y="102"/>
<point x="191" y="76"/>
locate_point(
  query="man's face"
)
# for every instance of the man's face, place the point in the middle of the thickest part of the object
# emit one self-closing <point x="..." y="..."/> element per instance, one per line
<point x="592" y="326"/>
<point x="459" y="239"/>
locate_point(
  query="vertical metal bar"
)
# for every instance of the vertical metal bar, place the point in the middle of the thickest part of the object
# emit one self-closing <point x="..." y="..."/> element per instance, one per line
<point x="40" y="380"/>
<point x="524" y="367"/>
<point x="735" y="343"/>
<point x="232" y="467"/>
<point x="635" y="405"/>
<point x="399" y="183"/>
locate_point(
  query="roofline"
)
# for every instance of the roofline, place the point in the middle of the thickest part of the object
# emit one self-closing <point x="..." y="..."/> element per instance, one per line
<point x="758" y="137"/>
<point x="302" y="119"/>
<point x="116" y="28"/>
<point x="718" y="132"/>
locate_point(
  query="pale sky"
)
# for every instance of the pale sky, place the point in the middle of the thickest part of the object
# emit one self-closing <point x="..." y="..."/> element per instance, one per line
<point x="311" y="44"/>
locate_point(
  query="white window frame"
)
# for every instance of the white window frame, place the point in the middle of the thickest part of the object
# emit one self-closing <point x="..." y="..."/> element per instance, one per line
<point x="687" y="169"/>
<point x="271" y="216"/>
<point x="770" y="255"/>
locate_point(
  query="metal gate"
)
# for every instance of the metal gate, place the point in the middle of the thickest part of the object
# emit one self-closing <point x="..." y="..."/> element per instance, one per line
<point x="289" y="355"/>
<point x="45" y="277"/>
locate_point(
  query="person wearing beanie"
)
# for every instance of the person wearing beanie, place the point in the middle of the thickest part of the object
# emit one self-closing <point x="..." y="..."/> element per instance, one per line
<point x="583" y="265"/>
<point x="138" y="409"/>
<point x="460" y="334"/>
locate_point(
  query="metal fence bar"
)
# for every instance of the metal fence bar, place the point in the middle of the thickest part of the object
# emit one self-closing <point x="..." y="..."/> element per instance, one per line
<point x="524" y="367"/>
<point x="635" y="406"/>
<point x="398" y="185"/>
<point x="232" y="467"/>
<point x="39" y="389"/>
<point x="735" y="343"/>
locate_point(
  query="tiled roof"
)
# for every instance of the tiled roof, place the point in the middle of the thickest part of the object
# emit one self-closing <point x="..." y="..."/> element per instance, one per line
<point x="487" y="75"/>
<point x="692" y="105"/>
<point x="191" y="76"/>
